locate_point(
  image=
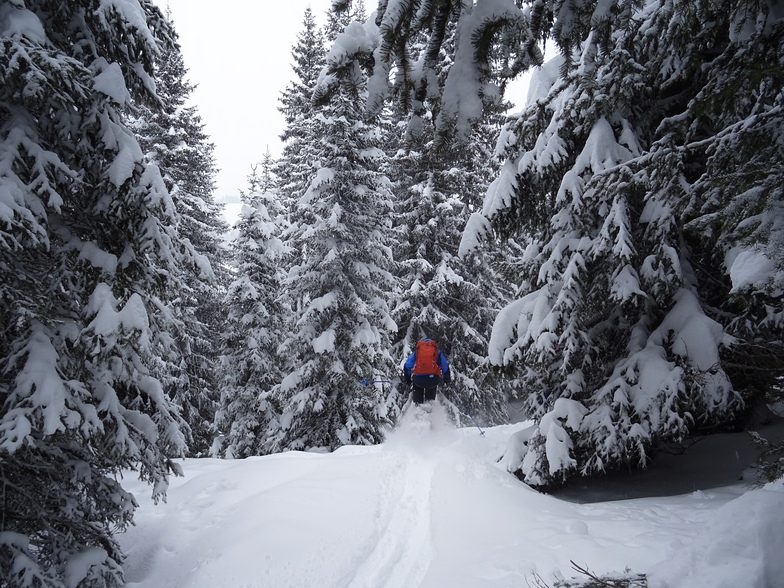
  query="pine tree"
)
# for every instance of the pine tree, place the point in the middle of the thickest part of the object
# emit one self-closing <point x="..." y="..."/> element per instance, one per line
<point x="630" y="297"/>
<point x="449" y="298"/>
<point x="442" y="295"/>
<point x="264" y="179"/>
<point x="298" y="161"/>
<point x="254" y="327"/>
<point x="621" y="183"/>
<point x="338" y="291"/>
<point x="173" y="137"/>
<point x="89" y="262"/>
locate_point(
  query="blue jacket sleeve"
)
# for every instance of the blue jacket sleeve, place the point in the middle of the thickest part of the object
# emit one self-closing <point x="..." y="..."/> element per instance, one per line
<point x="443" y="363"/>
<point x="409" y="364"/>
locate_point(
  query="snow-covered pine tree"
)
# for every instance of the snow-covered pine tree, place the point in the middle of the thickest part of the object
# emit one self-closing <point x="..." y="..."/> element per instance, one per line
<point x="418" y="42"/>
<point x="263" y="177"/>
<point x="338" y="291"/>
<point x="735" y="214"/>
<point x="631" y="312"/>
<point x="443" y="296"/>
<point x="89" y="261"/>
<point x="173" y="137"/>
<point x="254" y="326"/>
<point x="298" y="161"/>
<point x="616" y="176"/>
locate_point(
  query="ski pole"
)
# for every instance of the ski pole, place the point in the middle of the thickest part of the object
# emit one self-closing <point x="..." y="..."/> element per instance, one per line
<point x="465" y="408"/>
<point x="365" y="381"/>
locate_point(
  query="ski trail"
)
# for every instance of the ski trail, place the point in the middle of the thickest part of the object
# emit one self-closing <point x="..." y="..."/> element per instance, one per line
<point x="400" y="552"/>
<point x="398" y="555"/>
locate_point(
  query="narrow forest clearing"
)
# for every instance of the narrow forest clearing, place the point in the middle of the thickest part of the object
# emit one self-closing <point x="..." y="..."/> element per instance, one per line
<point x="429" y="508"/>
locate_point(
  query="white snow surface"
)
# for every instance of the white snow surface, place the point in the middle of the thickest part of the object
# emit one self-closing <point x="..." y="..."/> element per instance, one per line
<point x="17" y="21"/>
<point x="748" y="267"/>
<point x="543" y="79"/>
<point x="434" y="507"/>
<point x="110" y="81"/>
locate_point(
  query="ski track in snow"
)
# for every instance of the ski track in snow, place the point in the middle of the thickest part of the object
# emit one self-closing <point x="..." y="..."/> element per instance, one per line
<point x="400" y="552"/>
<point x="420" y="510"/>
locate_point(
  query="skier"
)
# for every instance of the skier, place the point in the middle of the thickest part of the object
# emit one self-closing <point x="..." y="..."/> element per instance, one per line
<point x="424" y="369"/>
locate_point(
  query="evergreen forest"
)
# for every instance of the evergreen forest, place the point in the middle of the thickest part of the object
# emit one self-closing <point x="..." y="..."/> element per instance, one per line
<point x="611" y="256"/>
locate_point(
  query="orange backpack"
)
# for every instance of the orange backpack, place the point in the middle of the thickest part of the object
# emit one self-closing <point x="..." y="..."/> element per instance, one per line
<point x="426" y="358"/>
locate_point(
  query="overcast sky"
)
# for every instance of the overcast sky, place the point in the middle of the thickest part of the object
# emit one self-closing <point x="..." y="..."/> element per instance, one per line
<point x="238" y="54"/>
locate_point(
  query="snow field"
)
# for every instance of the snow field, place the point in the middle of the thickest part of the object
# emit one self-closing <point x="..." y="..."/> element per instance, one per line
<point x="398" y="553"/>
<point x="429" y="508"/>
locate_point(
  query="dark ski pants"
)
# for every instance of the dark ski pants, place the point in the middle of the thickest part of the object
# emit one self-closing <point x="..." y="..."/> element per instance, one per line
<point x="424" y="387"/>
<point x="419" y="394"/>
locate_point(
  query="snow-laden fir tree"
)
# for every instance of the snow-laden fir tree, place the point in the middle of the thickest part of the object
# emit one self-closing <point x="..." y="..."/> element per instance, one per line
<point x="341" y="328"/>
<point x="89" y="262"/>
<point x="637" y="179"/>
<point x="173" y="137"/>
<point x="622" y="183"/>
<point x="263" y="177"/>
<point x="254" y="327"/>
<point x="413" y="52"/>
<point x="298" y="162"/>
<point x="443" y="296"/>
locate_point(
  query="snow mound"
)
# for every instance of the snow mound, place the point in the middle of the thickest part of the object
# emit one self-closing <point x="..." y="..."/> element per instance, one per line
<point x="434" y="507"/>
<point x="741" y="545"/>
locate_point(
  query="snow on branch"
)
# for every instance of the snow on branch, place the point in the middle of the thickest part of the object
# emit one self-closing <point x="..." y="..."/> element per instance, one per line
<point x="555" y="426"/>
<point x="510" y="331"/>
<point x="468" y="81"/>
<point x="648" y="377"/>
<point x="129" y="11"/>
<point x="109" y="321"/>
<point x="109" y="80"/>
<point x="17" y="21"/>
<point x="355" y="44"/>
<point x="501" y="192"/>
<point x="602" y="151"/>
<point x="476" y="229"/>
<point x="41" y="395"/>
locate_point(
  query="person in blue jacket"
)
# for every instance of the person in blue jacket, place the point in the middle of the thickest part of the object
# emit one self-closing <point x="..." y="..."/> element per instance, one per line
<point x="424" y="370"/>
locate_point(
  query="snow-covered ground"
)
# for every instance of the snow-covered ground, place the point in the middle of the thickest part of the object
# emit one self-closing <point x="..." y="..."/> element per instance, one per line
<point x="432" y="507"/>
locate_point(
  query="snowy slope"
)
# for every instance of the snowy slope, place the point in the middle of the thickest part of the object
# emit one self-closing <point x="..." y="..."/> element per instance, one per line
<point x="432" y="508"/>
